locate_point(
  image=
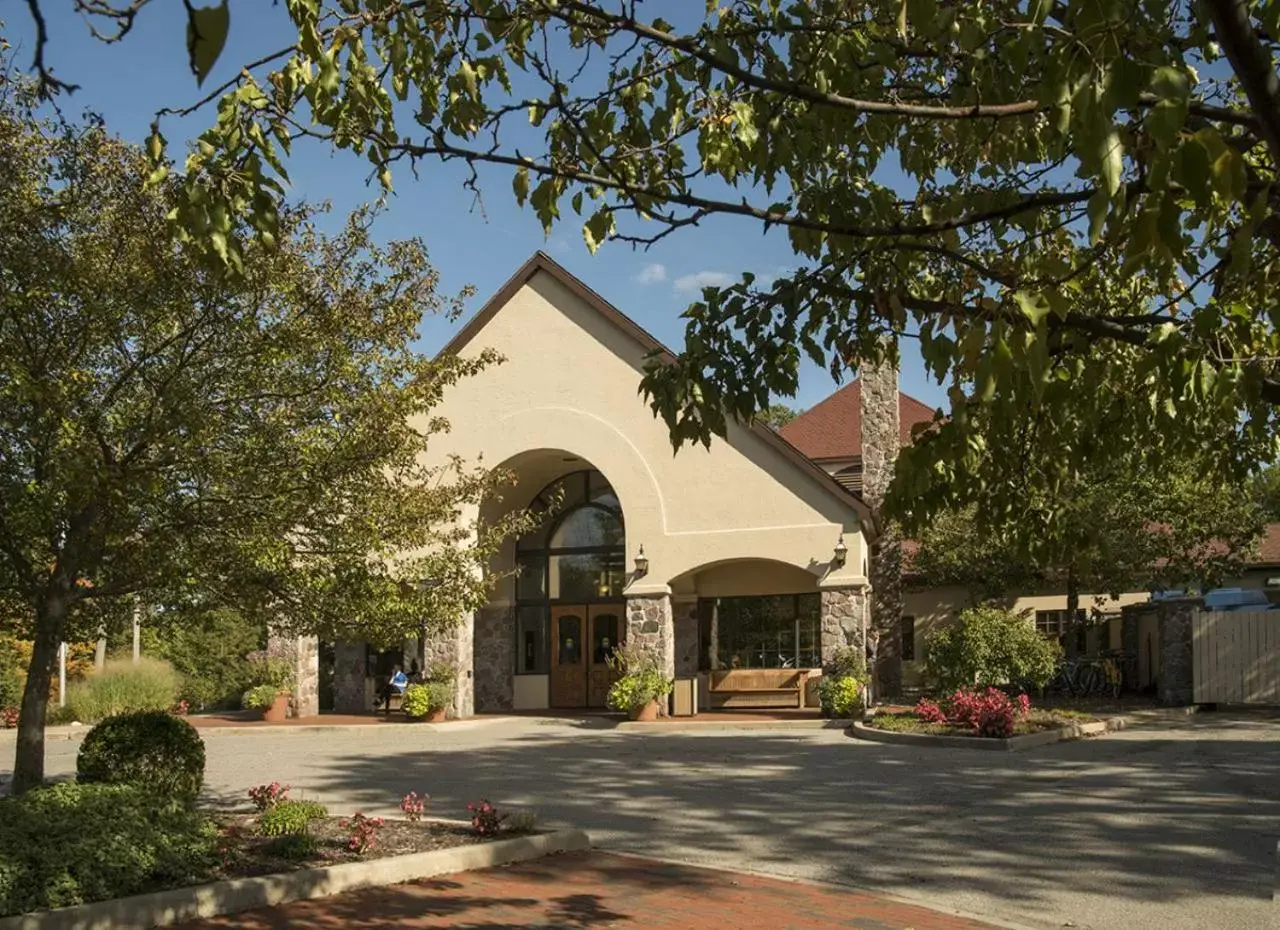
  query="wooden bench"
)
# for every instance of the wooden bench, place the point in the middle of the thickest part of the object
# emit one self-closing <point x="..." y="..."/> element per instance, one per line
<point x="757" y="687"/>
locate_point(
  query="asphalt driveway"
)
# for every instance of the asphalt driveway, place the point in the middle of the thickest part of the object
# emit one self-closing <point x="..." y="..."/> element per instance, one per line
<point x="1161" y="827"/>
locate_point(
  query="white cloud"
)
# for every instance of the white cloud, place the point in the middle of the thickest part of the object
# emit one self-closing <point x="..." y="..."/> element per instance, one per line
<point x="694" y="283"/>
<point x="652" y="274"/>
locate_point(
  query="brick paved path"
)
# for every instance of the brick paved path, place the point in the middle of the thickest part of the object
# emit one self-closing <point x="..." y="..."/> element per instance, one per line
<point x="598" y="890"/>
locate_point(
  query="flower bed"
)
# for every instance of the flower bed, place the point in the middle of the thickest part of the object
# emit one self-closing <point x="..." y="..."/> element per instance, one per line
<point x="244" y="851"/>
<point x="988" y="713"/>
<point x="1035" y="722"/>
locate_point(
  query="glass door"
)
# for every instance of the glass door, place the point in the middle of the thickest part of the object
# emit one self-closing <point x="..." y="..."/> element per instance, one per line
<point x="568" y="657"/>
<point x="607" y="630"/>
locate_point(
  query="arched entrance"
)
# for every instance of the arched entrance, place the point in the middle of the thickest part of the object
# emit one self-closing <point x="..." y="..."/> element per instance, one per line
<point x="570" y="574"/>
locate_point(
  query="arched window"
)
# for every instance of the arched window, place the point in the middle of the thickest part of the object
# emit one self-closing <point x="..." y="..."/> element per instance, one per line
<point x="576" y="555"/>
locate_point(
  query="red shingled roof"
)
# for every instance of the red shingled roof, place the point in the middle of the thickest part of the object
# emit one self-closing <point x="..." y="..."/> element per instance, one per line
<point x="833" y="428"/>
<point x="1269" y="546"/>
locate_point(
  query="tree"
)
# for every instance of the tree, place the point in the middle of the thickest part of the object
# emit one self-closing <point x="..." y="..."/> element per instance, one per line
<point x="778" y="415"/>
<point x="1113" y="525"/>
<point x="956" y="174"/>
<point x="194" y="439"/>
<point x="1265" y="487"/>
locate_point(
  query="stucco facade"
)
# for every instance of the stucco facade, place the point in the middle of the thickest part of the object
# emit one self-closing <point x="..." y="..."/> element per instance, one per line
<point x="747" y="517"/>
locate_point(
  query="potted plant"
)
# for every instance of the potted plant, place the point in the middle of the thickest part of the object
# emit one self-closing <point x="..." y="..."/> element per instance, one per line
<point x="270" y="700"/>
<point x="640" y="685"/>
<point x="272" y="677"/>
<point x="842" y="689"/>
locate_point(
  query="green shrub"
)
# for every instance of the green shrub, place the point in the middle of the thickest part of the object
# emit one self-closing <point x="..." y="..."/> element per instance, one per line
<point x="841" y="697"/>
<point x="208" y="649"/>
<point x="260" y="696"/>
<point x="847" y="662"/>
<point x="290" y="817"/>
<point x="416" y="701"/>
<point x="75" y="843"/>
<point x="441" y="673"/>
<point x="295" y="847"/>
<point x="152" y="750"/>
<point x="58" y="716"/>
<point x="124" y="688"/>
<point x="990" y="647"/>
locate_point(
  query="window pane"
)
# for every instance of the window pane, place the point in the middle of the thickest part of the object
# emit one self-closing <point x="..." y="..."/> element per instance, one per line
<point x="591" y="576"/>
<point x="604" y="637"/>
<point x="531" y="578"/>
<point x="908" y="639"/>
<point x="587" y="527"/>
<point x="756" y="632"/>
<point x="531" y="640"/>
<point x="809" y="614"/>
<point x="569" y="645"/>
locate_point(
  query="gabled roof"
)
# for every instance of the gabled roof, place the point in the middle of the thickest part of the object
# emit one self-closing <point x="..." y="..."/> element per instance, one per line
<point x="541" y="262"/>
<point x="833" y="428"/>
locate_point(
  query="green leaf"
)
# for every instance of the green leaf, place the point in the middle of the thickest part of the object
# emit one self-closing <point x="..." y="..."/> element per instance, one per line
<point x="1099" y="207"/>
<point x="1111" y="154"/>
<point x="206" y="36"/>
<point x="520" y="185"/>
<point x="1033" y="306"/>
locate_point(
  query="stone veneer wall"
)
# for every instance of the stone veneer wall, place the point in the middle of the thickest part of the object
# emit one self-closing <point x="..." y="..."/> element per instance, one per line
<point x="685" y="620"/>
<point x="843" y="617"/>
<point x="881" y="440"/>
<point x="350" y="671"/>
<point x="455" y="646"/>
<point x="494" y="659"/>
<point x="1177" y="681"/>
<point x="304" y="653"/>
<point x="650" y="626"/>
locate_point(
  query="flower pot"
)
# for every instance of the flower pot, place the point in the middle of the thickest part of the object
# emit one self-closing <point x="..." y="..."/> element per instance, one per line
<point x="435" y="716"/>
<point x="645" y="713"/>
<point x="278" y="709"/>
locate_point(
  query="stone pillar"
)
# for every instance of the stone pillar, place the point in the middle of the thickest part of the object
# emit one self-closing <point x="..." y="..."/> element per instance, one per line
<point x="350" y="673"/>
<point x="304" y="653"/>
<point x="650" y="626"/>
<point x="494" y="659"/>
<point x="881" y="439"/>
<point x="685" y="620"/>
<point x="1177" y="681"/>
<point x="455" y="646"/>
<point x="843" y="620"/>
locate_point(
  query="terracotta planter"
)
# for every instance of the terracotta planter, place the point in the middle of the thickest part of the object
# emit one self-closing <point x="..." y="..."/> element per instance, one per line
<point x="645" y="713"/>
<point x="436" y="716"/>
<point x="278" y="709"/>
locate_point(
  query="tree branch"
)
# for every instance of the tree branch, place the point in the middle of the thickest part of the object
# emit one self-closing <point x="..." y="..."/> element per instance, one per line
<point x="1252" y="64"/>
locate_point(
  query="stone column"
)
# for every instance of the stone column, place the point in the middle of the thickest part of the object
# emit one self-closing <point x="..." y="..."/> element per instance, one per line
<point x="881" y="440"/>
<point x="350" y="673"/>
<point x="304" y="653"/>
<point x="843" y="620"/>
<point x="495" y="659"/>
<point x="651" y="626"/>
<point x="455" y="646"/>
<point x="684" y="612"/>
<point x="1177" y="681"/>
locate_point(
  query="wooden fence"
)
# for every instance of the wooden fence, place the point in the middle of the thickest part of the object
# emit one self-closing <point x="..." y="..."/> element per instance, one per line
<point x="1236" y="657"/>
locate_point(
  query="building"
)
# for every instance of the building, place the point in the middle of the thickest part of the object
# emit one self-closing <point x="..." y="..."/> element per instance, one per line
<point x="743" y="555"/>
<point x="751" y="554"/>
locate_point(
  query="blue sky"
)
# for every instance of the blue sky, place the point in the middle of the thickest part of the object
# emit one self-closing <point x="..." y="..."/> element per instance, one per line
<point x="470" y="242"/>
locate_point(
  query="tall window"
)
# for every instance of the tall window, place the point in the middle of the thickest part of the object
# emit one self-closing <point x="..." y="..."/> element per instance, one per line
<point x="576" y="555"/>
<point x="1057" y="622"/>
<point x="775" y="631"/>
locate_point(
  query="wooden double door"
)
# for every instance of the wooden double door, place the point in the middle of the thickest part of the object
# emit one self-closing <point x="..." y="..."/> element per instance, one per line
<point x="582" y="639"/>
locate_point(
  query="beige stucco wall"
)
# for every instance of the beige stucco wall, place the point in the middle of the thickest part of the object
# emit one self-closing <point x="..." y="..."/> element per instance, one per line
<point x="570" y="383"/>
<point x="933" y="608"/>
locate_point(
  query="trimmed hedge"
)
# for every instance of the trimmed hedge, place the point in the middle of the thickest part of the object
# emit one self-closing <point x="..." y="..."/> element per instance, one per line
<point x="75" y="843"/>
<point x="156" y="751"/>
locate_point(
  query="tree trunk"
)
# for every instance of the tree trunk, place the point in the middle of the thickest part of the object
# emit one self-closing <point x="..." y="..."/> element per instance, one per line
<point x="28" y="763"/>
<point x="1073" y="607"/>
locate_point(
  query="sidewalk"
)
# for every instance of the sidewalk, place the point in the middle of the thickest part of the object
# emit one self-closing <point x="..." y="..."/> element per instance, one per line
<point x="599" y="890"/>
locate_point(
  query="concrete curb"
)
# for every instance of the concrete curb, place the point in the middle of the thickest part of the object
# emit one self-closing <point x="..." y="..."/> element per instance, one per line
<point x="163" y="908"/>
<point x="1012" y="744"/>
<point x="694" y="725"/>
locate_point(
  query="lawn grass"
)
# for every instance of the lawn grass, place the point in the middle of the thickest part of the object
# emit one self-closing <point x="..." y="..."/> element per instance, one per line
<point x="1036" y="722"/>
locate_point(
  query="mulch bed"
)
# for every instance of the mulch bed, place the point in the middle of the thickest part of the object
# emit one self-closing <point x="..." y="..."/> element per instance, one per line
<point x="246" y="853"/>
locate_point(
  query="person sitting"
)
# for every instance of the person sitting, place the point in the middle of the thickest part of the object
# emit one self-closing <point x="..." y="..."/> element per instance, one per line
<point x="394" y="686"/>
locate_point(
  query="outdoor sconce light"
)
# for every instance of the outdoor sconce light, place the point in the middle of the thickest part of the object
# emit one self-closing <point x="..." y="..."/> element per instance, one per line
<point x="642" y="563"/>
<point x="841" y="552"/>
